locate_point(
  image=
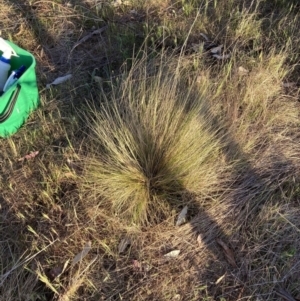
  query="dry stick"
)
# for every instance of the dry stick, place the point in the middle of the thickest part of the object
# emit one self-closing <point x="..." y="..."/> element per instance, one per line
<point x="228" y="252"/>
<point x="98" y="31"/>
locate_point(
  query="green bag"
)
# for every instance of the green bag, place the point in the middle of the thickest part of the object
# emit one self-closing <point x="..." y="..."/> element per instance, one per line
<point x="22" y="97"/>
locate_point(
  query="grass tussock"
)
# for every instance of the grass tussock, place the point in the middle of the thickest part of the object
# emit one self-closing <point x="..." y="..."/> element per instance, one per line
<point x="153" y="143"/>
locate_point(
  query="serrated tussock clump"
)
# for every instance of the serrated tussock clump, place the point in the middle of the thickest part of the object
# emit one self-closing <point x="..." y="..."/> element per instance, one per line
<point x="155" y="143"/>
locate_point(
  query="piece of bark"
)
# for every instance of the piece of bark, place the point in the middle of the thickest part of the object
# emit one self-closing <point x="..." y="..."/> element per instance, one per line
<point x="228" y="252"/>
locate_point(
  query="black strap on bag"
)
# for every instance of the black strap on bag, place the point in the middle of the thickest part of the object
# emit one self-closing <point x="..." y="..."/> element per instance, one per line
<point x="11" y="104"/>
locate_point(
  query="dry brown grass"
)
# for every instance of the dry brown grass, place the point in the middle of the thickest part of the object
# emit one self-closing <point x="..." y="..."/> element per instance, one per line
<point x="46" y="218"/>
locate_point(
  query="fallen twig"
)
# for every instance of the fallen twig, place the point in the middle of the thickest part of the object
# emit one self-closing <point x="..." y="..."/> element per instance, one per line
<point x="98" y="31"/>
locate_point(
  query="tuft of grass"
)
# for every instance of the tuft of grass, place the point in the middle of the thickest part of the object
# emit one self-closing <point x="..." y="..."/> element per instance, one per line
<point x="152" y="143"/>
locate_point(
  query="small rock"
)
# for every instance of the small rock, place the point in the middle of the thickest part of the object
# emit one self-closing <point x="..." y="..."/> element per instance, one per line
<point x="172" y="254"/>
<point x="182" y="216"/>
